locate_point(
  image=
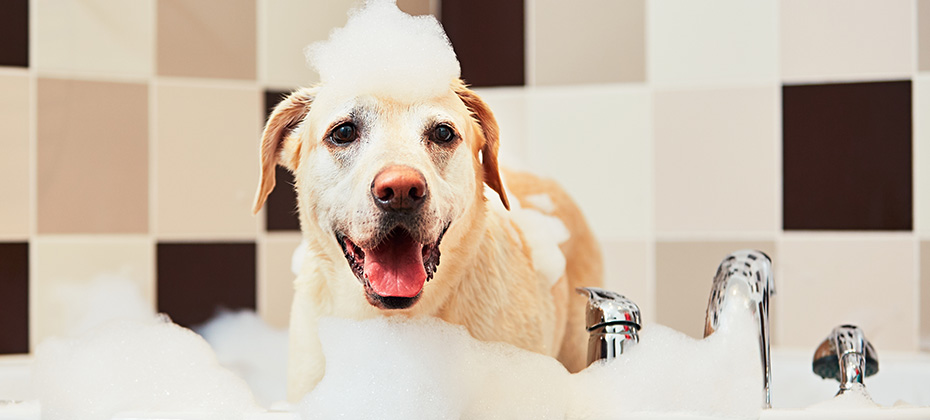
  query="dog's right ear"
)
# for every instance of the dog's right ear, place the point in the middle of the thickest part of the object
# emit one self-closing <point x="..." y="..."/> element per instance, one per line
<point x="278" y="146"/>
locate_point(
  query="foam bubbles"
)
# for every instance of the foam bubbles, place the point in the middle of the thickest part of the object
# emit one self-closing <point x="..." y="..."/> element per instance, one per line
<point x="121" y="366"/>
<point x="384" y="51"/>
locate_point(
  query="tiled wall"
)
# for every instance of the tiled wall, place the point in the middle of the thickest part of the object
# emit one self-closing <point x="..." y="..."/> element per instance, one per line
<point x="685" y="129"/>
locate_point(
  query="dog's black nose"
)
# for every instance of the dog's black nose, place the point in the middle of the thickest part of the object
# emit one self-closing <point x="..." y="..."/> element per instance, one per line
<point x="399" y="188"/>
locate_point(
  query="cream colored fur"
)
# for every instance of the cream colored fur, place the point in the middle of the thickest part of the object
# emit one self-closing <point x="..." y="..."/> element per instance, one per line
<point x="486" y="280"/>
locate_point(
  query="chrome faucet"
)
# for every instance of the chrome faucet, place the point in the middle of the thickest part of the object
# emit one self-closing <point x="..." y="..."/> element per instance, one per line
<point x="746" y="273"/>
<point x="847" y="356"/>
<point x="613" y="322"/>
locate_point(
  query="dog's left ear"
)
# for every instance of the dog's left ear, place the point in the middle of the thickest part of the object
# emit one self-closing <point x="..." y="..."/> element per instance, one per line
<point x="278" y="147"/>
<point x="485" y="119"/>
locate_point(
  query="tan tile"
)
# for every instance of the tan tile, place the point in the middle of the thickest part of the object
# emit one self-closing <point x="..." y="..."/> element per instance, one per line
<point x="605" y="167"/>
<point x="573" y="45"/>
<point x="92" y="157"/>
<point x="207" y="38"/>
<point x="276" y="284"/>
<point x="82" y="279"/>
<point x="14" y="161"/>
<point x="923" y="35"/>
<point x="627" y="271"/>
<point x="684" y="276"/>
<point x="207" y="168"/>
<point x="859" y="279"/>
<point x="846" y="39"/>
<point x="924" y="295"/>
<point x="697" y="43"/>
<point x="715" y="170"/>
<point x="100" y="36"/>
<point x="290" y="26"/>
<point x="417" y="7"/>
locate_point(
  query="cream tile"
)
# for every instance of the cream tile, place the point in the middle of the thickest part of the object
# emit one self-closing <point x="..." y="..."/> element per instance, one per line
<point x="288" y="27"/>
<point x="509" y="108"/>
<point x="924" y="296"/>
<point x="207" y="38"/>
<point x="684" y="276"/>
<point x="82" y="279"/>
<point x="98" y="36"/>
<point x="276" y="284"/>
<point x="14" y="161"/>
<point x="573" y="45"/>
<point x="846" y="39"/>
<point x="725" y="41"/>
<point x="921" y="98"/>
<point x="861" y="279"/>
<point x="207" y="167"/>
<point x="627" y="271"/>
<point x="716" y="169"/>
<point x="596" y="142"/>
<point x="93" y="153"/>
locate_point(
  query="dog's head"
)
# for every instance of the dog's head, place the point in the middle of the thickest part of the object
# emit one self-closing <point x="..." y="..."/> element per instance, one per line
<point x="384" y="178"/>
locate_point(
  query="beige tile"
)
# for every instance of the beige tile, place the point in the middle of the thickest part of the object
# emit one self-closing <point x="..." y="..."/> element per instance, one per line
<point x="418" y="7"/>
<point x="923" y="35"/>
<point x="98" y="36"/>
<point x="724" y="41"/>
<point x="92" y="157"/>
<point x="276" y="284"/>
<point x="572" y="45"/>
<point x="596" y="142"/>
<point x="14" y="161"/>
<point x="207" y="168"/>
<point x="846" y="39"/>
<point x="627" y="271"/>
<point x="716" y="169"/>
<point x="207" y="38"/>
<point x="81" y="279"/>
<point x="288" y="27"/>
<point x="924" y="295"/>
<point x="684" y="276"/>
<point x="861" y="279"/>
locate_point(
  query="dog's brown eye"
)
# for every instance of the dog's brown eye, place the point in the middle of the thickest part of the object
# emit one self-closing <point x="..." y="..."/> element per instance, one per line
<point x="344" y="133"/>
<point x="442" y="134"/>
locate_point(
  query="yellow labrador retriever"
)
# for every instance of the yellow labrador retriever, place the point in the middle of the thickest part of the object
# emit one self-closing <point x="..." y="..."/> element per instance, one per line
<point x="386" y="187"/>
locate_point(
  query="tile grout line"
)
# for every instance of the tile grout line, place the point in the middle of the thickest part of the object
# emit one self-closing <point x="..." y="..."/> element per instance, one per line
<point x="33" y="313"/>
<point x="153" y="157"/>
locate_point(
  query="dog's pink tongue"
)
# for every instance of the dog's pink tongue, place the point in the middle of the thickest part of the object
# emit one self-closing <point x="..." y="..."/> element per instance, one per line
<point x="395" y="267"/>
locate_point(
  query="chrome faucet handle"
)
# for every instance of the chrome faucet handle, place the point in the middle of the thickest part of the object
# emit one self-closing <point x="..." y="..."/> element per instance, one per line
<point x="847" y="356"/>
<point x="613" y="322"/>
<point x="752" y="271"/>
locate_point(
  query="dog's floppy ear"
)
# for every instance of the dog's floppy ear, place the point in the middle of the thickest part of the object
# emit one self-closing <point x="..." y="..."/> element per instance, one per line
<point x="482" y="114"/>
<point x="277" y="147"/>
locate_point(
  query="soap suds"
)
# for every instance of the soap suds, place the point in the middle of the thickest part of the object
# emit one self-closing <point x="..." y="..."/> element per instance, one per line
<point x="81" y="306"/>
<point x="384" y="51"/>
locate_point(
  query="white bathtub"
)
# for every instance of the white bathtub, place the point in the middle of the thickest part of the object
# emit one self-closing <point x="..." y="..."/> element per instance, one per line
<point x="903" y="377"/>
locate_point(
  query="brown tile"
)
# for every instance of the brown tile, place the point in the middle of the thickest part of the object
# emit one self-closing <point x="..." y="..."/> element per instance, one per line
<point x="573" y="45"/>
<point x="684" y="275"/>
<point x="14" y="298"/>
<point x="488" y="38"/>
<point x="207" y="38"/>
<point x="924" y="287"/>
<point x="196" y="279"/>
<point x="14" y="160"/>
<point x="847" y="156"/>
<point x="92" y="157"/>
<point x="281" y="206"/>
<point x="14" y="31"/>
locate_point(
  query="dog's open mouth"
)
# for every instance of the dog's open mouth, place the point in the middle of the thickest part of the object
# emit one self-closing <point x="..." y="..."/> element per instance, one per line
<point x="394" y="271"/>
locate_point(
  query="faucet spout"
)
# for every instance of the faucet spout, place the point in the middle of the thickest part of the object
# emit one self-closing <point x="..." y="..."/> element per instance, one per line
<point x="749" y="274"/>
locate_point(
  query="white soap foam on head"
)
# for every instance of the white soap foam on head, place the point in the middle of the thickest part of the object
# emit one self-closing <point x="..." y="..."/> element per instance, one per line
<point x="384" y="51"/>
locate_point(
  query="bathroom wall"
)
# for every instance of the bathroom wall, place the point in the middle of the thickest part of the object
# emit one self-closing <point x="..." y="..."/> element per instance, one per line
<point x="685" y="129"/>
